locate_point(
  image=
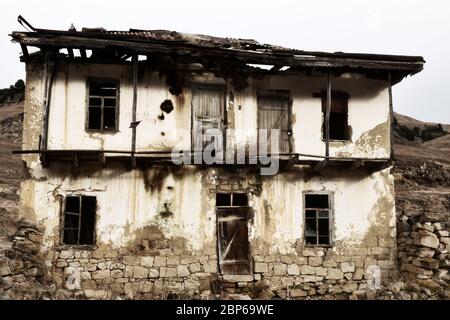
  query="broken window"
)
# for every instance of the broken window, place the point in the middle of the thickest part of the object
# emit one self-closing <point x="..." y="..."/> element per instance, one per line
<point x="103" y="105"/>
<point x="338" y="116"/>
<point x="317" y="209"/>
<point x="274" y="113"/>
<point x="232" y="220"/>
<point x="208" y="117"/>
<point x="79" y="220"/>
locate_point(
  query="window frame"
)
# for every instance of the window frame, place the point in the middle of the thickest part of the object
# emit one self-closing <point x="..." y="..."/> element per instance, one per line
<point x="117" y="108"/>
<point x="62" y="223"/>
<point x="331" y="212"/>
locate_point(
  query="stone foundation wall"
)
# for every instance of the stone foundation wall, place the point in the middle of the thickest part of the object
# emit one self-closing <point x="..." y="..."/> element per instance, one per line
<point x="162" y="269"/>
<point x="171" y="271"/>
<point x="424" y="257"/>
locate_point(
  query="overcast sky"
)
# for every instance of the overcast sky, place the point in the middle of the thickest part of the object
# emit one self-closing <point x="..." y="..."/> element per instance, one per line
<point x="373" y="26"/>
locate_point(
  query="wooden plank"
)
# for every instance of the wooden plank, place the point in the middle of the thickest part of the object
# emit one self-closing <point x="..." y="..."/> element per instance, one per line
<point x="83" y="53"/>
<point x="231" y="218"/>
<point x="235" y="262"/>
<point x="24" y="51"/>
<point x="391" y="116"/>
<point x="102" y="159"/>
<point x="44" y="102"/>
<point x="133" y="120"/>
<point x="75" y="161"/>
<point x="79" y="219"/>
<point x="327" y="118"/>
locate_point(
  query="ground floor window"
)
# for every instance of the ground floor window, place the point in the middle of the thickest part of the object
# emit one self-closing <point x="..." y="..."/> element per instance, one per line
<point x="79" y="220"/>
<point x="317" y="213"/>
<point x="232" y="233"/>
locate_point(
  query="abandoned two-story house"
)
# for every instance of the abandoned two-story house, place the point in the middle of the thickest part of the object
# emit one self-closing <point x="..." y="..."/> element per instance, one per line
<point x="118" y="127"/>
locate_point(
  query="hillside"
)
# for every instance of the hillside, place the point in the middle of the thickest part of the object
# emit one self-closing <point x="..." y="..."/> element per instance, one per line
<point x="11" y="116"/>
<point x="421" y="140"/>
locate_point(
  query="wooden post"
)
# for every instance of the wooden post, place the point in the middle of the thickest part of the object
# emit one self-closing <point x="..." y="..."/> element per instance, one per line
<point x="24" y="51"/>
<point x="391" y="116"/>
<point x="327" y="118"/>
<point x="47" y="97"/>
<point x="135" y="79"/>
<point x="70" y="52"/>
<point x="83" y="53"/>
<point x="44" y="102"/>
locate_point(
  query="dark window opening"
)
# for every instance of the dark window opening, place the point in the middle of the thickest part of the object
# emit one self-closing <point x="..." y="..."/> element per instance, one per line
<point x="317" y="219"/>
<point x="316" y="201"/>
<point x="232" y="233"/>
<point x="231" y="200"/>
<point x="223" y="199"/>
<point x="338" y="117"/>
<point x="103" y="105"/>
<point x="79" y="220"/>
<point x="240" y="199"/>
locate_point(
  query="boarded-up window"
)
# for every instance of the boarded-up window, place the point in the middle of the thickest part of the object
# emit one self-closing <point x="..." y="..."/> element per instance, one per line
<point x="338" y="116"/>
<point x="274" y="113"/>
<point x="317" y="210"/>
<point x="208" y="113"/>
<point x="79" y="220"/>
<point x="103" y="105"/>
<point x="232" y="229"/>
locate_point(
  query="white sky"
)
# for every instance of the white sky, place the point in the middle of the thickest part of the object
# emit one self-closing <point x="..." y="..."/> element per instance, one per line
<point x="372" y="26"/>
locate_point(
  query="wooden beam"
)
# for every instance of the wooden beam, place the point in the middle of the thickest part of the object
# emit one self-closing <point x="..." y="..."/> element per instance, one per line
<point x="391" y="116"/>
<point x="133" y="120"/>
<point x="48" y="95"/>
<point x="70" y="51"/>
<point x="83" y="53"/>
<point x="43" y="140"/>
<point x="276" y="68"/>
<point x="357" y="164"/>
<point x="102" y="159"/>
<point x="24" y="51"/>
<point x="75" y="161"/>
<point x="320" y="165"/>
<point x="327" y="117"/>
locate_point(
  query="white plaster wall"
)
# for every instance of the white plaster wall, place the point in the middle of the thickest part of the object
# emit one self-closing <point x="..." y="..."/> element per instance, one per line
<point x="126" y="206"/>
<point x="355" y="212"/>
<point x="368" y="108"/>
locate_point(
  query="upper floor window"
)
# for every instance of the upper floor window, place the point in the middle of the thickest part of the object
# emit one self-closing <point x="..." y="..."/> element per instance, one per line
<point x="274" y="113"/>
<point x="338" y="116"/>
<point x="317" y="212"/>
<point x="103" y="105"/>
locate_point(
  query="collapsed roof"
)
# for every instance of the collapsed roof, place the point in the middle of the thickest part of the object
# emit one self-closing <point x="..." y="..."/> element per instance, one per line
<point x="208" y="49"/>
